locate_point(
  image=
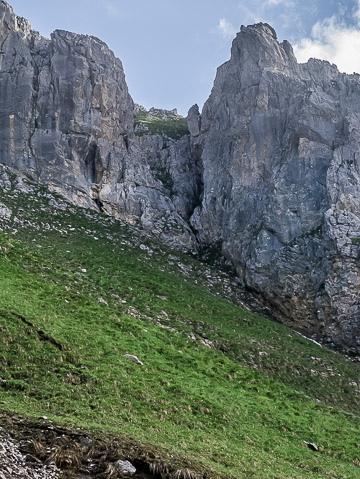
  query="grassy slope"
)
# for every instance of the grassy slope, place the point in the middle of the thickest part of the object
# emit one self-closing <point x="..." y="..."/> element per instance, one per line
<point x="243" y="406"/>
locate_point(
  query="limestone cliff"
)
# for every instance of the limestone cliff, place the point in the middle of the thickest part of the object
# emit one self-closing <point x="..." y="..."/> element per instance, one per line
<point x="281" y="161"/>
<point x="269" y="173"/>
<point x="67" y="119"/>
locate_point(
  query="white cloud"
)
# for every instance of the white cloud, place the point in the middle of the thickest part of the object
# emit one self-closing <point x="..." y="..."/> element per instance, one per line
<point x="286" y="3"/>
<point x="226" y="29"/>
<point x="333" y="40"/>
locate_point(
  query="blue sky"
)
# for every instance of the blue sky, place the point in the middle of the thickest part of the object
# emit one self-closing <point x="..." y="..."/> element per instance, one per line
<point x="171" y="48"/>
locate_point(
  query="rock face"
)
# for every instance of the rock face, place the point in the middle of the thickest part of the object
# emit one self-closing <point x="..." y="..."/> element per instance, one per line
<point x="67" y="119"/>
<point x="65" y="108"/>
<point x="269" y="174"/>
<point x="281" y="177"/>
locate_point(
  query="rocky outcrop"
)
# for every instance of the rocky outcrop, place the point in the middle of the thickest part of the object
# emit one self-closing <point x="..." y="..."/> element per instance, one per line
<point x="65" y="108"/>
<point x="281" y="166"/>
<point x="67" y="119"/>
<point x="269" y="174"/>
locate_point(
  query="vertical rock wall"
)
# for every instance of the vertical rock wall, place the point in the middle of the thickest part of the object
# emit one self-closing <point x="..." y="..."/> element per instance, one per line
<point x="281" y="163"/>
<point x="67" y="119"/>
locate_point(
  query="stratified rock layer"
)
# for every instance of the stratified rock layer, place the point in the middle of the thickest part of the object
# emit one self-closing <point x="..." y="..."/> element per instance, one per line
<point x="281" y="175"/>
<point x="269" y="174"/>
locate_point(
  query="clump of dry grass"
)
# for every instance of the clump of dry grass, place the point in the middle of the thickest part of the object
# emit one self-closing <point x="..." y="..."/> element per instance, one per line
<point x="185" y="474"/>
<point x="159" y="469"/>
<point x="38" y="449"/>
<point x="111" y="472"/>
<point x="67" y="454"/>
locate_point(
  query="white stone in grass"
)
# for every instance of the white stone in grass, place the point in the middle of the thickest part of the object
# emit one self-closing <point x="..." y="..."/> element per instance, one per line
<point x="134" y="359"/>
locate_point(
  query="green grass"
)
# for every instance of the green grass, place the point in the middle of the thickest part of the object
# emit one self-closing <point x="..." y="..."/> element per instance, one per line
<point x="243" y="406"/>
<point x="172" y="127"/>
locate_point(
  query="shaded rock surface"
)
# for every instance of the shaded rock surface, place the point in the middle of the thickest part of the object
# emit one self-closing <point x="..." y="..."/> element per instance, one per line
<point x="269" y="175"/>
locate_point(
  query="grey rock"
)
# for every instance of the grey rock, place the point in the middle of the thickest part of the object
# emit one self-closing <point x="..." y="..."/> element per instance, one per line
<point x="102" y="301"/>
<point x="194" y="121"/>
<point x="65" y="108"/>
<point x="85" y="442"/>
<point x="5" y="181"/>
<point x="162" y="113"/>
<point x="5" y="212"/>
<point x="23" y="186"/>
<point x="125" y="467"/>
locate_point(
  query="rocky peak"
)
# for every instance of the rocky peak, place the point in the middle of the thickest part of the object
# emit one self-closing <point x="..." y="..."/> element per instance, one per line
<point x="13" y="23"/>
<point x="257" y="60"/>
<point x="66" y="112"/>
<point x="261" y="29"/>
<point x="256" y="46"/>
<point x="160" y="113"/>
<point x="194" y="120"/>
<point x="8" y="17"/>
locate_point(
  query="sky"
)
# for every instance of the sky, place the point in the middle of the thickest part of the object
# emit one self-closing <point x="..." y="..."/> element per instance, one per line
<point x="170" y="49"/>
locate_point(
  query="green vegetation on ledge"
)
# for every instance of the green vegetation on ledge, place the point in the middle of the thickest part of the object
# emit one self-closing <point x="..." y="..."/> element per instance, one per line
<point x="219" y="387"/>
<point x="168" y="124"/>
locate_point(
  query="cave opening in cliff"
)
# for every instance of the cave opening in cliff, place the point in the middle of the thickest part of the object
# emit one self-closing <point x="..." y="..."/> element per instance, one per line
<point x="93" y="164"/>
